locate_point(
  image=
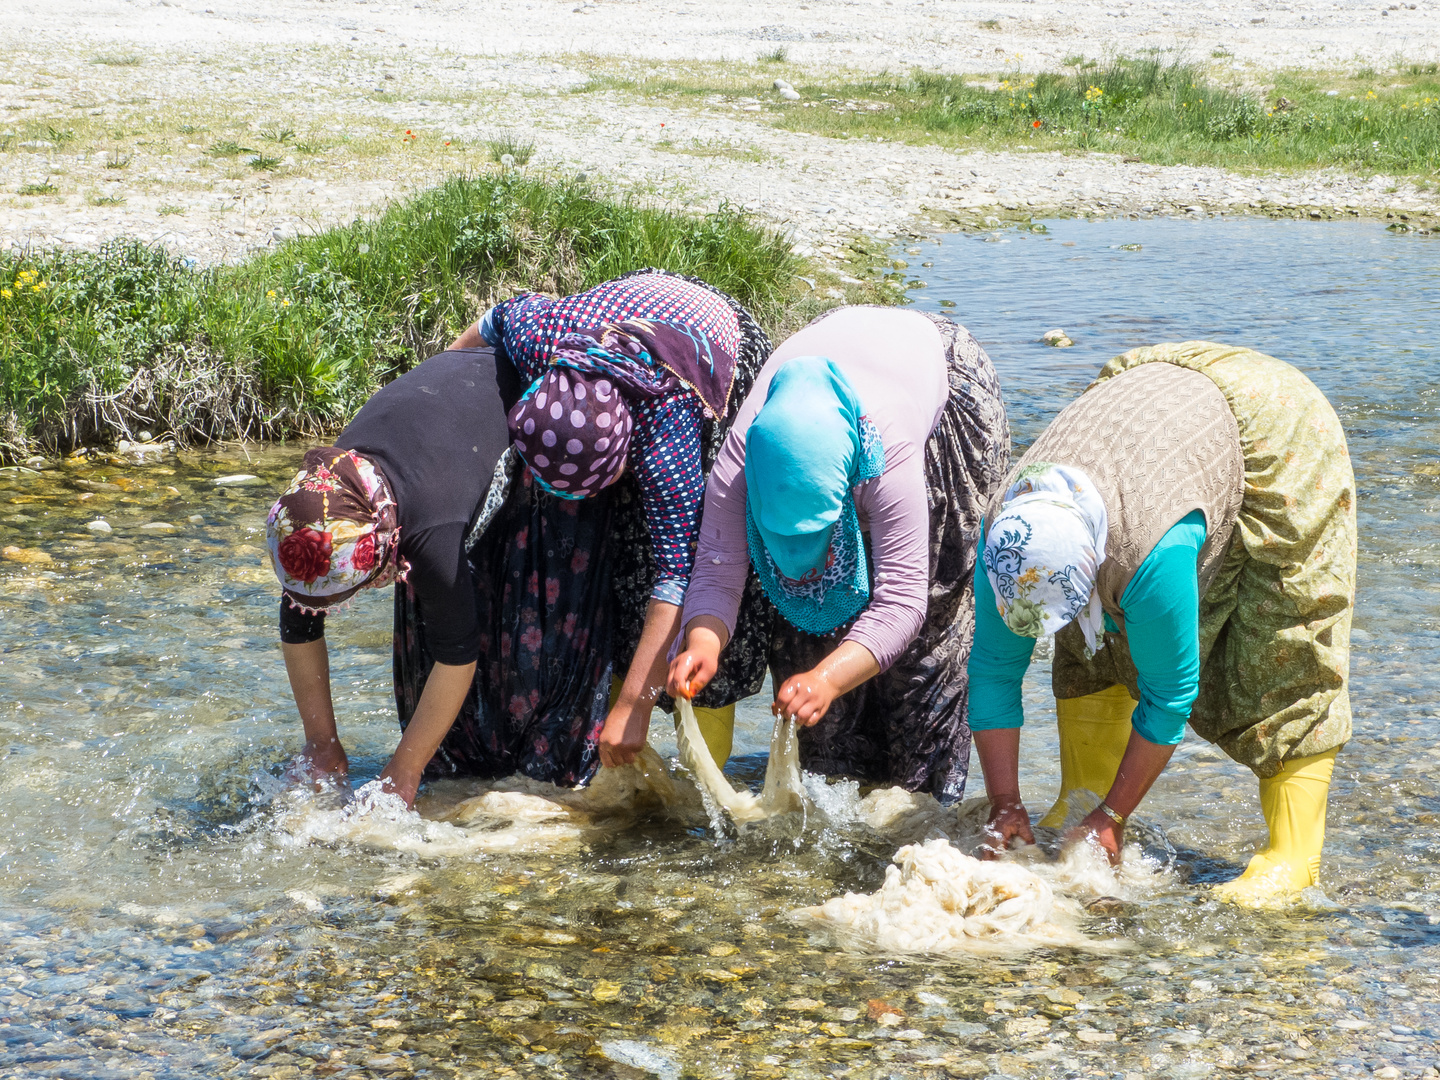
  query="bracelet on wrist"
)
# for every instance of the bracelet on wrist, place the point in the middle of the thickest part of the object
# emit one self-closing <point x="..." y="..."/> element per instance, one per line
<point x="1113" y="814"/>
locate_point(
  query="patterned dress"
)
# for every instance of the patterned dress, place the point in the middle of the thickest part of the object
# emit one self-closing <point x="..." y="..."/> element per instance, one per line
<point x="908" y="726"/>
<point x="563" y="585"/>
<point x="1275" y="621"/>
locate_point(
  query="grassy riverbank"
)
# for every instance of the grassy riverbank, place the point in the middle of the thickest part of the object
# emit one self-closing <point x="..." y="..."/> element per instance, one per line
<point x="1167" y="112"/>
<point x="99" y="346"/>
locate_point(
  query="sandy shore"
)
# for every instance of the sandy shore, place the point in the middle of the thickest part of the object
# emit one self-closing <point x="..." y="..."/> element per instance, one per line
<point x="114" y="103"/>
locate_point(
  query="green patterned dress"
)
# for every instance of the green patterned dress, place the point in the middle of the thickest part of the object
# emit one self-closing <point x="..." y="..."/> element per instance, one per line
<point x="1275" y="622"/>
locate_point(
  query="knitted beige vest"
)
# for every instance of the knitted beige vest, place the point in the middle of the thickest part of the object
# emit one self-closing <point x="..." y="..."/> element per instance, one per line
<point x="1158" y="441"/>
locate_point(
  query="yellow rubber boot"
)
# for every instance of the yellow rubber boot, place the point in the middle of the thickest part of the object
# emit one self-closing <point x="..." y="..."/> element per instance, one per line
<point x="1094" y="731"/>
<point x="717" y="726"/>
<point x="1294" y="802"/>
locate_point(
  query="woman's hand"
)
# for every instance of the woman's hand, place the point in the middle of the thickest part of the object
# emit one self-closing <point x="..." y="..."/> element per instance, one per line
<point x="324" y="759"/>
<point x="1008" y="819"/>
<point x="805" y="698"/>
<point x="692" y="670"/>
<point x="623" y="737"/>
<point x="1099" y="828"/>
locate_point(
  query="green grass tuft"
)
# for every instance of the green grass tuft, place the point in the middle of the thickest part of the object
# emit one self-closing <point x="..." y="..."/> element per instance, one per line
<point x="1163" y="111"/>
<point x="117" y="60"/>
<point x="1167" y="113"/>
<point x="777" y="55"/>
<point x="519" y="150"/>
<point x="45" y="188"/>
<point x="263" y="161"/>
<point x="294" y="340"/>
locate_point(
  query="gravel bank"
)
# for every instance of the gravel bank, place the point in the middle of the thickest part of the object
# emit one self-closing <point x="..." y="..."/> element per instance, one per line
<point x="383" y="98"/>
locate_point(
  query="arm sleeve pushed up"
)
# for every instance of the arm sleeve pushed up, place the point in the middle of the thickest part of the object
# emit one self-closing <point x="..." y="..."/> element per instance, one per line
<point x="999" y="658"/>
<point x="1162" y="625"/>
<point x="298" y="627"/>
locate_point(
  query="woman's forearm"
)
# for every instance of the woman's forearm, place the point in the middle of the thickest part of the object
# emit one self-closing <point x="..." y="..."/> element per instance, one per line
<point x="308" y="667"/>
<point x="469" y="339"/>
<point x="445" y="689"/>
<point x="646" y="675"/>
<point x="1140" y="767"/>
<point x="999" y="750"/>
<point x="849" y="665"/>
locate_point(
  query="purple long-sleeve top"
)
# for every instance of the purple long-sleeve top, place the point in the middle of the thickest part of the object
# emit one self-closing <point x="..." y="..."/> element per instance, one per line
<point x="895" y="360"/>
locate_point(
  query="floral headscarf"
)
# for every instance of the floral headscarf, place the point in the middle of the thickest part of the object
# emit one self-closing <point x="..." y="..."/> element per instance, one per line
<point x="809" y="445"/>
<point x="334" y="531"/>
<point x="1043" y="550"/>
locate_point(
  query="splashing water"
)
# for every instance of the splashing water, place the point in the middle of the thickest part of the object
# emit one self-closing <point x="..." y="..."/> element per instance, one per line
<point x="784" y="791"/>
<point x="936" y="899"/>
<point x="514" y="815"/>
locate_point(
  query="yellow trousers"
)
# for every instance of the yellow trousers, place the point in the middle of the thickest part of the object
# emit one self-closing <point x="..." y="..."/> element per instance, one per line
<point x="717" y="726"/>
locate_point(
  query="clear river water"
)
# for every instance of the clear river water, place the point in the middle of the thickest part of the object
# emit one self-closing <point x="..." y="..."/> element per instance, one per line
<point x="162" y="914"/>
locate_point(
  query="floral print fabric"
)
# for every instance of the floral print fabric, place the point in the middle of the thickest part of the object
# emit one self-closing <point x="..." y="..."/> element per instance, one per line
<point x="541" y="690"/>
<point x="1043" y="550"/>
<point x="562" y="586"/>
<point x="1275" y="621"/>
<point x="333" y="531"/>
<point x="907" y="726"/>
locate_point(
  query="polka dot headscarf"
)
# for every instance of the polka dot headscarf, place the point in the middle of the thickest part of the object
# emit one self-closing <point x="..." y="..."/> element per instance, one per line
<point x="573" y="432"/>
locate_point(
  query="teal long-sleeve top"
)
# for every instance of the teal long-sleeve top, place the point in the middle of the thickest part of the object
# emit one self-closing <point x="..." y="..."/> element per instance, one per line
<point x="1162" y="626"/>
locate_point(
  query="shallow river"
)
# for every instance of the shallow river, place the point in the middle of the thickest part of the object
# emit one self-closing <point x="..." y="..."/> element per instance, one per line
<point x="161" y="916"/>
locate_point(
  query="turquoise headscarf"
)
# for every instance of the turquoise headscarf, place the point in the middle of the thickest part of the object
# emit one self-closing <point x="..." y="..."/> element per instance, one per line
<point x="809" y="445"/>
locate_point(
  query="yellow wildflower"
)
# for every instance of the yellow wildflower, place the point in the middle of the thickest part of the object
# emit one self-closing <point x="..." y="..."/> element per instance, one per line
<point x="5" y="294"/>
<point x="270" y="295"/>
<point x="285" y="302"/>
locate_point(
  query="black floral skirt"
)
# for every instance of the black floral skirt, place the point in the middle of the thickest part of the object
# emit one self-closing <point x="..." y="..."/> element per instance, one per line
<point x="909" y="725"/>
<point x="562" y="588"/>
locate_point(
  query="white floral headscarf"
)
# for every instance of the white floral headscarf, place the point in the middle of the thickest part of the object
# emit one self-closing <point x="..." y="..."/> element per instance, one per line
<point x="1043" y="550"/>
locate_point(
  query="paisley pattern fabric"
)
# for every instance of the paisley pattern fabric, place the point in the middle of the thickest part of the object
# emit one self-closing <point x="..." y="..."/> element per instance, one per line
<point x="1043" y="550"/>
<point x="1275" y="620"/>
<point x="907" y="726"/>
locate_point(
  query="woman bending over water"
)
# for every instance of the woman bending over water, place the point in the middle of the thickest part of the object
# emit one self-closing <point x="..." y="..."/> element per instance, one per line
<point x="630" y="388"/>
<point x="392" y="501"/>
<point x="1187" y="530"/>
<point x="874" y="437"/>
